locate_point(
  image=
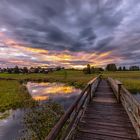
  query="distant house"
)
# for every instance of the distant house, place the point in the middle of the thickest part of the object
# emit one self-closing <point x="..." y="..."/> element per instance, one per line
<point x="46" y="71"/>
<point x="32" y="70"/>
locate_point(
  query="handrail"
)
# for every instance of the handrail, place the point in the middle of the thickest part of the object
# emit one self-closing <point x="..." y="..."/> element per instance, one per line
<point x="131" y="105"/>
<point x="75" y="108"/>
<point x="116" y="87"/>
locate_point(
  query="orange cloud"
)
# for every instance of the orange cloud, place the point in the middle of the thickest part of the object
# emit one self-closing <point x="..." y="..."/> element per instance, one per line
<point x="65" y="58"/>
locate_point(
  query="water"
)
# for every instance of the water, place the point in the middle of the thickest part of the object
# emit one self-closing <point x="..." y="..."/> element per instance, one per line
<point x="137" y="96"/>
<point x="65" y="95"/>
<point x="57" y="92"/>
<point x="9" y="127"/>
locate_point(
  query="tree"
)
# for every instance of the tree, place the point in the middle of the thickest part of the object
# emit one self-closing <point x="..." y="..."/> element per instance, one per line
<point x="111" y="67"/>
<point x="16" y="69"/>
<point x="124" y="68"/>
<point x="92" y="70"/>
<point x="134" y="68"/>
<point x="9" y="70"/>
<point x="25" y="70"/>
<point x="120" y="69"/>
<point x="36" y="70"/>
<point x="87" y="70"/>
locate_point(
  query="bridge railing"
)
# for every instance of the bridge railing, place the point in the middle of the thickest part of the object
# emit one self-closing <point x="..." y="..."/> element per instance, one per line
<point x="131" y="105"/>
<point x="70" y="119"/>
<point x="116" y="87"/>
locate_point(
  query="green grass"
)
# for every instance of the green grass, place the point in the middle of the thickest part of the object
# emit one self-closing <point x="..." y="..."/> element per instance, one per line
<point x="72" y="77"/>
<point x="22" y="76"/>
<point x="130" y="79"/>
<point x="124" y="74"/>
<point x="12" y="95"/>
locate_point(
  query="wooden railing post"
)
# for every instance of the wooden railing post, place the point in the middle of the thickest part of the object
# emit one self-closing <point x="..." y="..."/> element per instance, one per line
<point x="129" y="102"/>
<point x="119" y="84"/>
<point x="90" y="94"/>
<point x="119" y="92"/>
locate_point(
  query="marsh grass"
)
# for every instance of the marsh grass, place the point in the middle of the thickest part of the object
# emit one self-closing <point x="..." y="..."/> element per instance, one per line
<point x="12" y="95"/>
<point x="38" y="121"/>
<point x="130" y="79"/>
<point x="71" y="77"/>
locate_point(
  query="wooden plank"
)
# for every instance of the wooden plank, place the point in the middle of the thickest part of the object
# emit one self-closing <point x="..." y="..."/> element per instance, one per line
<point x="107" y="128"/>
<point x="109" y="133"/>
<point x="95" y="122"/>
<point x="89" y="136"/>
<point x="105" y="120"/>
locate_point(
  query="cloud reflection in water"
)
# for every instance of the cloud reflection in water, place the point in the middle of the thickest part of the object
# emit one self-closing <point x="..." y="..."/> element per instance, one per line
<point x="58" y="92"/>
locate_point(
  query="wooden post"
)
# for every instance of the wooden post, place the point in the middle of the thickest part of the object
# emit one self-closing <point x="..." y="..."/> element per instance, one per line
<point x="119" y="92"/>
<point x="90" y="92"/>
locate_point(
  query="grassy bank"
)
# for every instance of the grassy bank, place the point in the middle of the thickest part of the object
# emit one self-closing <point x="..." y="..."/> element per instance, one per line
<point x="12" y="95"/>
<point x="72" y="77"/>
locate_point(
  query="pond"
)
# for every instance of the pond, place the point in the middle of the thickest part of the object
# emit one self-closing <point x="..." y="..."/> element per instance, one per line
<point x="58" y="92"/>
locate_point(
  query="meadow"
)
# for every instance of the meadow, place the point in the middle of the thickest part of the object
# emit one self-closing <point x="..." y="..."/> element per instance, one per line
<point x="130" y="79"/>
<point x="14" y="95"/>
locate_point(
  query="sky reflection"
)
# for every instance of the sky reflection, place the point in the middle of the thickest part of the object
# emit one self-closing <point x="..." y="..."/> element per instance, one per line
<point x="56" y="91"/>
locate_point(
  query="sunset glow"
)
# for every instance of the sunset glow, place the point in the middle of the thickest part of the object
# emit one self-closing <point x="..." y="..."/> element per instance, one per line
<point x="42" y="57"/>
<point x="71" y="34"/>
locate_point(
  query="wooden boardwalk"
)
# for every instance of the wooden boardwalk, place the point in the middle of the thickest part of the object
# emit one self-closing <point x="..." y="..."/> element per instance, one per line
<point x="105" y="118"/>
<point x="105" y="110"/>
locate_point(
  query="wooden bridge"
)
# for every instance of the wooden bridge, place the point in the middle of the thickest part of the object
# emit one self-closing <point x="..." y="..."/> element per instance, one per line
<point x="104" y="110"/>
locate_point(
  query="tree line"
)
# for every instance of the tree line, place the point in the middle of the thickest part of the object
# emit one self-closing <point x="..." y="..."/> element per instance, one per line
<point x="110" y="67"/>
<point x="17" y="70"/>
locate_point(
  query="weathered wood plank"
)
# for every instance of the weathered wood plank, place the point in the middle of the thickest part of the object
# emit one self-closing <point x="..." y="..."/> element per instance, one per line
<point x="109" y="133"/>
<point x="89" y="136"/>
<point x="105" y="120"/>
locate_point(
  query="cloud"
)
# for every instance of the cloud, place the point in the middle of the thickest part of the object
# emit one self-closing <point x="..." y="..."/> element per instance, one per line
<point x="69" y="26"/>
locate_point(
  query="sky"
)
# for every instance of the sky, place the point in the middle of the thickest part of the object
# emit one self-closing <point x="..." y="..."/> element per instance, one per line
<point x="69" y="33"/>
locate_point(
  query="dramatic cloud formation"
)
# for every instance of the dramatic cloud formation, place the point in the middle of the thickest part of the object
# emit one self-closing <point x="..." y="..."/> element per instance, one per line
<point x="69" y="33"/>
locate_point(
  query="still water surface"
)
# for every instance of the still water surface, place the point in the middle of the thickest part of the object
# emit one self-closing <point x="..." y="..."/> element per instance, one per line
<point x="57" y="92"/>
<point x="61" y="93"/>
